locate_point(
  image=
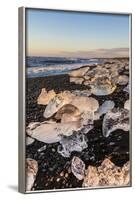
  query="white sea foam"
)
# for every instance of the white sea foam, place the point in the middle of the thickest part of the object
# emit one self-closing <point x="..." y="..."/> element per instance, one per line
<point x="39" y="67"/>
<point x="51" y="70"/>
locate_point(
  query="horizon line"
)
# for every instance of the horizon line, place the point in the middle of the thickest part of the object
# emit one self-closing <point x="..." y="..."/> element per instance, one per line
<point x="94" y="53"/>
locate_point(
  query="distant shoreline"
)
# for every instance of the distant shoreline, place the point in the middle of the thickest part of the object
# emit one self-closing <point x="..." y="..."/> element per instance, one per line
<point x="124" y="57"/>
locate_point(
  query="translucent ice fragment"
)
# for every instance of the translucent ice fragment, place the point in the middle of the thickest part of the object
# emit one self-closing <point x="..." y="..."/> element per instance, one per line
<point x="76" y="142"/>
<point x="78" y="167"/>
<point x="105" y="107"/>
<point x="118" y="118"/>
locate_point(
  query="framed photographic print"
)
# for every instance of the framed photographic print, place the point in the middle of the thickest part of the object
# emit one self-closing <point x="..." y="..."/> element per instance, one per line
<point x="74" y="100"/>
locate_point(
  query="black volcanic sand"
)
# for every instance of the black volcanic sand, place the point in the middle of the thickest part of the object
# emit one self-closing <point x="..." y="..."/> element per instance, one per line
<point x="54" y="170"/>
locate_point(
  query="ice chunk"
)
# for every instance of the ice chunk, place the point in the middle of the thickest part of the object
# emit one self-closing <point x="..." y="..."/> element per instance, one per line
<point x="42" y="148"/>
<point x="102" y="86"/>
<point x="107" y="174"/>
<point x="51" y="132"/>
<point x="81" y="102"/>
<point x="105" y="107"/>
<point x="79" y="72"/>
<point x="76" y="142"/>
<point x="85" y="103"/>
<point x="29" y="140"/>
<point x="127" y="105"/>
<point x="45" y="96"/>
<point x="115" y="119"/>
<point x="68" y="113"/>
<point x="58" y="102"/>
<point x="78" y="167"/>
<point x="126" y="89"/>
<point x="92" y="178"/>
<point x="31" y="171"/>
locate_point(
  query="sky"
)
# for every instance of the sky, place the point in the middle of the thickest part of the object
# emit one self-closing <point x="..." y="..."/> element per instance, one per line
<point x="75" y="34"/>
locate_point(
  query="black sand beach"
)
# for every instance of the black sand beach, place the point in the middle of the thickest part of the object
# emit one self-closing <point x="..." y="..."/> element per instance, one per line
<point x="54" y="170"/>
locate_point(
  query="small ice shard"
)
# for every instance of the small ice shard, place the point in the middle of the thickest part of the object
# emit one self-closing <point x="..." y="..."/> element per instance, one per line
<point x="115" y="119"/>
<point x="76" y="80"/>
<point x="31" y="172"/>
<point x="45" y="96"/>
<point x="105" y="107"/>
<point x="102" y="86"/>
<point x="123" y="80"/>
<point x="76" y="142"/>
<point x="92" y="178"/>
<point x="51" y="132"/>
<point x="29" y="140"/>
<point x="79" y="72"/>
<point x="126" y="89"/>
<point x="57" y="102"/>
<point x="42" y="148"/>
<point x="68" y="113"/>
<point x="78" y="167"/>
<point x="127" y="105"/>
<point x="82" y="92"/>
<point x="107" y="174"/>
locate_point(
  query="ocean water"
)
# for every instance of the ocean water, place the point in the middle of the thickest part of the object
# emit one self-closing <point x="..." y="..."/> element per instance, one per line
<point x="46" y="66"/>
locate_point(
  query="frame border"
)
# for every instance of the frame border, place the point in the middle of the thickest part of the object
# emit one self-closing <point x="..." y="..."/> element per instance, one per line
<point x="22" y="99"/>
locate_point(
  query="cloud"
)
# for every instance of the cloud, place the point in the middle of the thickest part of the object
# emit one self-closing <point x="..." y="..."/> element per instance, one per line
<point x="99" y="53"/>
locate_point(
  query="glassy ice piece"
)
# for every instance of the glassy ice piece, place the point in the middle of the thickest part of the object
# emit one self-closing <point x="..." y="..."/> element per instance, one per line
<point x="68" y="113"/>
<point x="79" y="72"/>
<point x="42" y="148"/>
<point x="127" y="104"/>
<point x="105" y="107"/>
<point x="45" y="97"/>
<point x="102" y="86"/>
<point x="126" y="89"/>
<point x="118" y="118"/>
<point x="78" y="167"/>
<point x="85" y="104"/>
<point x="57" y="102"/>
<point x="29" y="140"/>
<point x="76" y="142"/>
<point x="107" y="174"/>
<point x="51" y="132"/>
<point x="31" y="172"/>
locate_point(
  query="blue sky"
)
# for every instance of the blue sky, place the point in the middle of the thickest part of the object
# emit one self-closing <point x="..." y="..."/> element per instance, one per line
<point x="53" y="33"/>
